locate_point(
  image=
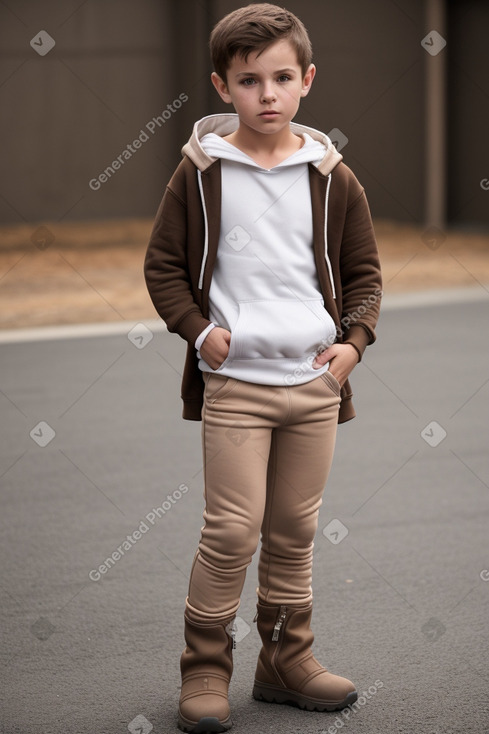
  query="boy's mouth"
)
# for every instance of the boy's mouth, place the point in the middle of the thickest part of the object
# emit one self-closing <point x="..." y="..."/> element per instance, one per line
<point x="269" y="113"/>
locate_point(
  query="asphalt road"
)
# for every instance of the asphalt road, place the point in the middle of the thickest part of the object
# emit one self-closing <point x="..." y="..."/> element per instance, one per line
<point x="94" y="456"/>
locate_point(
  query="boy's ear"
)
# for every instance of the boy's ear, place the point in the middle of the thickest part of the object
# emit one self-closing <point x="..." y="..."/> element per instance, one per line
<point x="307" y="81"/>
<point x="221" y="87"/>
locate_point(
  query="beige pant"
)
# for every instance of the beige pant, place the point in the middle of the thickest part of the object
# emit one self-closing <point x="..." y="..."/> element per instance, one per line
<point x="267" y="454"/>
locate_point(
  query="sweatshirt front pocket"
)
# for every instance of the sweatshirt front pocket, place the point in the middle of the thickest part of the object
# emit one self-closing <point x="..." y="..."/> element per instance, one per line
<point x="280" y="329"/>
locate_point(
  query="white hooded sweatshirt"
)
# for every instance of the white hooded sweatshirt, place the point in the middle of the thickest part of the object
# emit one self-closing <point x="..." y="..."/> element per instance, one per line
<point x="265" y="288"/>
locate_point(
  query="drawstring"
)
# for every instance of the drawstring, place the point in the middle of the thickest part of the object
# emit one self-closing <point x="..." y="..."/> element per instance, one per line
<point x="326" y="256"/>
<point x="206" y="230"/>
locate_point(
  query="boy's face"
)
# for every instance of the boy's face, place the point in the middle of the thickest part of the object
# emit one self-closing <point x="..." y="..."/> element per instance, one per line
<point x="266" y="90"/>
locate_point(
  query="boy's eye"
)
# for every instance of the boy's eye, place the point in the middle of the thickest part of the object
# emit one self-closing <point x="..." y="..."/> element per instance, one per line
<point x="250" y="81"/>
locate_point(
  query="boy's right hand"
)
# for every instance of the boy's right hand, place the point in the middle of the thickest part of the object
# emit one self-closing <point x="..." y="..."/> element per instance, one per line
<point x="215" y="347"/>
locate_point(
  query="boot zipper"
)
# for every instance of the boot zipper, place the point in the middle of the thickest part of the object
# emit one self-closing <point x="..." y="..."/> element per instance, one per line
<point x="279" y="623"/>
<point x="231" y="630"/>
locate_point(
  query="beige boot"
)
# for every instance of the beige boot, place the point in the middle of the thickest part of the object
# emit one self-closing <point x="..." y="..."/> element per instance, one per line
<point x="206" y="666"/>
<point x="287" y="671"/>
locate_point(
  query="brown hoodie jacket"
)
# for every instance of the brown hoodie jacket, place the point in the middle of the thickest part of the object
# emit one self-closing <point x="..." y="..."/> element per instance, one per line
<point x="183" y="246"/>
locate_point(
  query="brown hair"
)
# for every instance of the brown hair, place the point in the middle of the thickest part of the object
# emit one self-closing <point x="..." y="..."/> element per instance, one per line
<point x="254" y="28"/>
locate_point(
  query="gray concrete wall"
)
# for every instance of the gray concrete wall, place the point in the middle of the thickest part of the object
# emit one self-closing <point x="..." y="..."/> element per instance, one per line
<point x="468" y="113"/>
<point x="69" y="114"/>
<point x="116" y="65"/>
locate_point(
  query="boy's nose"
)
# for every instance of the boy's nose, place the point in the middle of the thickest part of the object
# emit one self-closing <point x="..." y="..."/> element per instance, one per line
<point x="268" y="94"/>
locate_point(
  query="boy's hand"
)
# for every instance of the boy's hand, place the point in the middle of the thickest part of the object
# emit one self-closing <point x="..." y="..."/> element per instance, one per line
<point x="342" y="358"/>
<point x="215" y="347"/>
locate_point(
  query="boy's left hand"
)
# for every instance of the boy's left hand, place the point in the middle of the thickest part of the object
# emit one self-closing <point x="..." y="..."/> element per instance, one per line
<point x="342" y="358"/>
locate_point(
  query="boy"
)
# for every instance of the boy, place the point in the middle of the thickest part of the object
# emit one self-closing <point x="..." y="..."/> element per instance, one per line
<point x="263" y="258"/>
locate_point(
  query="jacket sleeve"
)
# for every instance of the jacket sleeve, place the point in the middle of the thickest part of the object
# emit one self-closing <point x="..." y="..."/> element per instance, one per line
<point x="360" y="277"/>
<point x="166" y="268"/>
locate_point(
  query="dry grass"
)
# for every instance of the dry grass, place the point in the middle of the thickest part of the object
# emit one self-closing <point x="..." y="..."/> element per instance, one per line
<point x="92" y="271"/>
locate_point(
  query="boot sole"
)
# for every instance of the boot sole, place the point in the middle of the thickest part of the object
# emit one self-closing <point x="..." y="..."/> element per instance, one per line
<point x="272" y="694"/>
<point x="205" y="725"/>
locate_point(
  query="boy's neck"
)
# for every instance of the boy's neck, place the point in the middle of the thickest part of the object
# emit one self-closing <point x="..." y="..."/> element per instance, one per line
<point x="267" y="150"/>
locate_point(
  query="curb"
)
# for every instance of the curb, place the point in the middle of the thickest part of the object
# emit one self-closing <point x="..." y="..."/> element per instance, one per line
<point x="393" y="302"/>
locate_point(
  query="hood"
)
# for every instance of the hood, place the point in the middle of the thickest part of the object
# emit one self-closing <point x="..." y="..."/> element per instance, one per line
<point x="227" y="123"/>
<point x="216" y="147"/>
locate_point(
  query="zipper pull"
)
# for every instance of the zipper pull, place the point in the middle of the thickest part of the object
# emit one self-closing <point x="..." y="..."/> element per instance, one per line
<point x="278" y="624"/>
<point x="231" y="630"/>
<point x="255" y="617"/>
